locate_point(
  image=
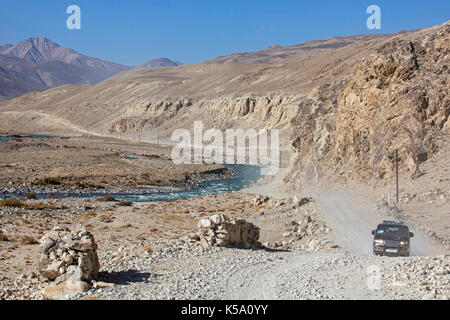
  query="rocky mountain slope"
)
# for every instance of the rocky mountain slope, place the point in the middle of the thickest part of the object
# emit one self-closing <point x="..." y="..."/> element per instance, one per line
<point x="279" y="53"/>
<point x="396" y="98"/>
<point x="39" y="64"/>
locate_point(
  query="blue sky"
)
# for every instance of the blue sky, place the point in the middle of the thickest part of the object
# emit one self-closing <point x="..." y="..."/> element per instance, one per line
<point x="134" y="31"/>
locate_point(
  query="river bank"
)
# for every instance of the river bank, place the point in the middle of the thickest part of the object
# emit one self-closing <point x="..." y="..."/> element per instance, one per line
<point x="92" y="166"/>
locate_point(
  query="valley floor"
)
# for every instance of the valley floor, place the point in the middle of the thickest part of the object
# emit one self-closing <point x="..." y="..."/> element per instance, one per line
<point x="146" y="253"/>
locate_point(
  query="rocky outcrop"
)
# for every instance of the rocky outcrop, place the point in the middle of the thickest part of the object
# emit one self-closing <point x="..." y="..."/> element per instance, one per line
<point x="219" y="230"/>
<point x="70" y="260"/>
<point x="395" y="99"/>
<point x="260" y="200"/>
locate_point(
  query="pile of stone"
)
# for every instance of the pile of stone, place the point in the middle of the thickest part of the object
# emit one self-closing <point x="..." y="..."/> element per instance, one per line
<point x="308" y="227"/>
<point x="260" y="200"/>
<point x="306" y="233"/>
<point x="219" y="230"/>
<point x="301" y="202"/>
<point x="70" y="260"/>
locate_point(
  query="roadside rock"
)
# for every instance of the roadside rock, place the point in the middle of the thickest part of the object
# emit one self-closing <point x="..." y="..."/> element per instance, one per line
<point x="301" y="202"/>
<point x="260" y="200"/>
<point x="220" y="231"/>
<point x="65" y="290"/>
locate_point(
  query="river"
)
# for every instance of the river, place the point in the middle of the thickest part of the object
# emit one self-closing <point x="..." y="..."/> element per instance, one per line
<point x="245" y="176"/>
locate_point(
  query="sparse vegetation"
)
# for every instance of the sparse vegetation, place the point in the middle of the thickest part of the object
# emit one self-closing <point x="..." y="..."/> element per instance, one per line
<point x="3" y="237"/>
<point x="106" y="219"/>
<point x="148" y="249"/>
<point x="107" y="198"/>
<point x="87" y="185"/>
<point x="12" y="203"/>
<point x="52" y="181"/>
<point x="27" y="240"/>
<point x="41" y="207"/>
<point x="31" y="196"/>
<point x="173" y="218"/>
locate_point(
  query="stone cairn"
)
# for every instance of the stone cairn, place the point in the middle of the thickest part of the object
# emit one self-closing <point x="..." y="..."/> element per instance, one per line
<point x="69" y="259"/>
<point x="220" y="231"/>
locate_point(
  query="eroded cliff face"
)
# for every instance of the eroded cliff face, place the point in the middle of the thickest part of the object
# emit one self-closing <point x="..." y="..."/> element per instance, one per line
<point x="221" y="113"/>
<point x="395" y="99"/>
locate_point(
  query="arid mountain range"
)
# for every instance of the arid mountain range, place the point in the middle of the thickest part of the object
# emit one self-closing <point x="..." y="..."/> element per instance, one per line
<point x="38" y="64"/>
<point x="343" y="105"/>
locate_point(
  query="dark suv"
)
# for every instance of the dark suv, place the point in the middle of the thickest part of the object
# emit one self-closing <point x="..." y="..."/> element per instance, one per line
<point x="392" y="239"/>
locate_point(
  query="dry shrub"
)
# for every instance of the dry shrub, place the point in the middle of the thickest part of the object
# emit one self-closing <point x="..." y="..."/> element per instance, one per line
<point x="106" y="219"/>
<point x="107" y="198"/>
<point x="173" y="218"/>
<point x="27" y="240"/>
<point x="42" y="206"/>
<point x="48" y="181"/>
<point x="3" y="237"/>
<point x="125" y="203"/>
<point x="125" y="226"/>
<point x="12" y="203"/>
<point x="31" y="196"/>
<point x="91" y="214"/>
<point x="142" y="237"/>
<point x="148" y="249"/>
<point x="25" y="221"/>
<point x="45" y="215"/>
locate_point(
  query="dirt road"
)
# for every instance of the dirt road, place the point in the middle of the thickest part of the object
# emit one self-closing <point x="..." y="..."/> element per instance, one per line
<point x="344" y="275"/>
<point x="352" y="217"/>
<point x="293" y="276"/>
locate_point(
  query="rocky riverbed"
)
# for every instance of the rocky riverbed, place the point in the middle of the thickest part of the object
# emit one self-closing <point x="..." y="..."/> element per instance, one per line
<point x="191" y="182"/>
<point x="88" y="165"/>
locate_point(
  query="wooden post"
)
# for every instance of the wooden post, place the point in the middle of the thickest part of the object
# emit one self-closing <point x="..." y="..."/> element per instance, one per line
<point x="396" y="171"/>
<point x="157" y="141"/>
